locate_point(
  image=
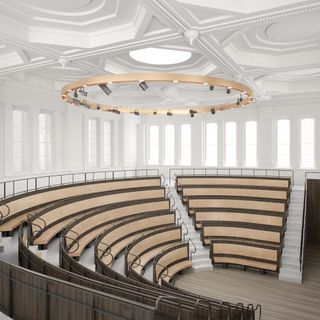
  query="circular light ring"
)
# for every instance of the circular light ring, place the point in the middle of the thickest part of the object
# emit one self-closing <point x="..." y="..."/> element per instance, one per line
<point x="244" y="90"/>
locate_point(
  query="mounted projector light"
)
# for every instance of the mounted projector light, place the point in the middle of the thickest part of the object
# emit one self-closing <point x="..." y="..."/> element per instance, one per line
<point x="82" y="92"/>
<point x="213" y="111"/>
<point x="228" y="91"/>
<point x="143" y="85"/>
<point x="116" y="111"/>
<point x="105" y="89"/>
<point x="136" y="113"/>
<point x="211" y="88"/>
<point x="169" y="113"/>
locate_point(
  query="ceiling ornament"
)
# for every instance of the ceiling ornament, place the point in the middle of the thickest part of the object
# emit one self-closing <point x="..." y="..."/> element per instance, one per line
<point x="75" y="93"/>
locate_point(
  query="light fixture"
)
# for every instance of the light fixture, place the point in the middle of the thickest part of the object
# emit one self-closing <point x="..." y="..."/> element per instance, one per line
<point x="192" y="112"/>
<point x="99" y="107"/>
<point x="105" y="89"/>
<point x="143" y="85"/>
<point x="238" y="102"/>
<point x="83" y="92"/>
<point x="71" y="92"/>
<point x="160" y="56"/>
<point x="136" y="113"/>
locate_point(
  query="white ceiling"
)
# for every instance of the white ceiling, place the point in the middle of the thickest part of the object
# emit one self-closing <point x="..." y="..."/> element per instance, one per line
<point x="273" y="46"/>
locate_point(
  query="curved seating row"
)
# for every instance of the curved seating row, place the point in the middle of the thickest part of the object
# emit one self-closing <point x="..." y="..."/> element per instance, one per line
<point x="16" y="209"/>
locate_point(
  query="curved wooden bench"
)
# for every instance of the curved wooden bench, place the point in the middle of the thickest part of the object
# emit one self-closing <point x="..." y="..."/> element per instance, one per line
<point x="148" y="246"/>
<point x="84" y="230"/>
<point x="45" y="225"/>
<point x="245" y="253"/>
<point x="231" y="202"/>
<point x="170" y="262"/>
<point x="261" y="181"/>
<point x="238" y="215"/>
<point x="15" y="210"/>
<point x="117" y="238"/>
<point x="251" y="231"/>
<point x="238" y="191"/>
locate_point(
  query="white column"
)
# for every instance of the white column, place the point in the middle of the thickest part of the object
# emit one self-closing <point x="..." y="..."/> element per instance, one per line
<point x="7" y="129"/>
<point x="295" y="142"/>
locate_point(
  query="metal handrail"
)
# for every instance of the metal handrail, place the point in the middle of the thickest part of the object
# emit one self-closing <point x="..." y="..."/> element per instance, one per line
<point x="135" y="263"/>
<point x="2" y="216"/>
<point x="33" y="183"/>
<point x="167" y="189"/>
<point x="73" y="240"/>
<point x="234" y="171"/>
<point x="105" y="252"/>
<point x="237" y="308"/>
<point x="196" y="307"/>
<point x="32" y="223"/>
<point x="184" y="234"/>
<point x="160" y="298"/>
<point x="180" y="215"/>
<point x="173" y="200"/>
<point x="194" y="246"/>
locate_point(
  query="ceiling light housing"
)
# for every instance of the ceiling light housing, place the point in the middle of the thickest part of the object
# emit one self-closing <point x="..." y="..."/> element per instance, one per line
<point x="105" y="89"/>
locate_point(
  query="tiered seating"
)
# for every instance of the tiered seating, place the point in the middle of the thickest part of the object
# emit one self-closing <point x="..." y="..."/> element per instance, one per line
<point x="171" y="261"/>
<point x="245" y="213"/>
<point x="128" y="213"/>
<point x="16" y="209"/>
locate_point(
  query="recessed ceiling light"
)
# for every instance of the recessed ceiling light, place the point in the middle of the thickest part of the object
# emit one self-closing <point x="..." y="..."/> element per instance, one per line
<point x="160" y="56"/>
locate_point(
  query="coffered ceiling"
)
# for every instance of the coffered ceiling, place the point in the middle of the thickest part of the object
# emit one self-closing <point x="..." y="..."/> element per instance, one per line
<point x="273" y="46"/>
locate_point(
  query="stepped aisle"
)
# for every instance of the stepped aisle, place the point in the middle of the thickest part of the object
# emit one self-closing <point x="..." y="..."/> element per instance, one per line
<point x="290" y="266"/>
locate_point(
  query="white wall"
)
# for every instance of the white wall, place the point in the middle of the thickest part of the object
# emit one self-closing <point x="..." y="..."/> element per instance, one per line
<point x="70" y="131"/>
<point x="265" y="114"/>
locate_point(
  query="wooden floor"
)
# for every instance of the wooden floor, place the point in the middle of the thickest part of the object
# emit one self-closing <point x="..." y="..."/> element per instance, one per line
<point x="279" y="300"/>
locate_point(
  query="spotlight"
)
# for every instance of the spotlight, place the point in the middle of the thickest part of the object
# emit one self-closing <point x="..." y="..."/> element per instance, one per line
<point x="83" y="92"/>
<point x="154" y="112"/>
<point x="98" y="107"/>
<point x="241" y="98"/>
<point x="75" y="94"/>
<point x="136" y="113"/>
<point x="211" y="88"/>
<point x="213" y="111"/>
<point x="169" y="113"/>
<point x="238" y="102"/>
<point x="143" y="85"/>
<point x="192" y="112"/>
<point x="105" y="89"/>
<point x="228" y="90"/>
<point x="116" y="111"/>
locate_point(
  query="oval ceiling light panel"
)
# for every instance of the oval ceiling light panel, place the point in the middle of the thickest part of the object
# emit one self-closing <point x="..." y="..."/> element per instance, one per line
<point x="159" y="56"/>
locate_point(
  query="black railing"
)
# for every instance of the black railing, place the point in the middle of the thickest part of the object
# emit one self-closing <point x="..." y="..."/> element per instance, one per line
<point x="16" y="187"/>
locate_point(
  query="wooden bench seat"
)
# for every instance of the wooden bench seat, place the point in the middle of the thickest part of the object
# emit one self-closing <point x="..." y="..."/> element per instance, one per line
<point x="27" y="203"/>
<point x="145" y="248"/>
<point x="118" y="237"/>
<point x="171" y="261"/>
<point x="90" y="226"/>
<point x="253" y="192"/>
<point x="238" y="215"/>
<point x="230" y="230"/>
<point x="196" y="202"/>
<point x="261" y="181"/>
<point x="245" y="253"/>
<point x="48" y="219"/>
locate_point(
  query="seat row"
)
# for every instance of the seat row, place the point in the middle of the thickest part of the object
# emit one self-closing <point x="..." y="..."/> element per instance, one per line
<point x="240" y="218"/>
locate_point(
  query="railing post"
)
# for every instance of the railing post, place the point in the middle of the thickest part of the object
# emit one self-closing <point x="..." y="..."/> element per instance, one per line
<point x="11" y="298"/>
<point x="46" y="298"/>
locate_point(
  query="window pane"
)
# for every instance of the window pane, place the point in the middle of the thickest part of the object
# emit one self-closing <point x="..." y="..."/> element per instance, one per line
<point x="231" y="144"/>
<point x="18" y="138"/>
<point x="154" y="145"/>
<point x="45" y="133"/>
<point x="307" y="143"/>
<point x="169" y="144"/>
<point x="211" y="144"/>
<point x="283" y="143"/>
<point x="107" y="143"/>
<point x="251" y="143"/>
<point x="185" y="152"/>
<point x="92" y="143"/>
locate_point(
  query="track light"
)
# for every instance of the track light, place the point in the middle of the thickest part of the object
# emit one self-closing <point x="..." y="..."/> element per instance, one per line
<point x="154" y="112"/>
<point x="136" y="113"/>
<point x="169" y="113"/>
<point x="116" y="111"/>
<point x="83" y="92"/>
<point x="238" y="102"/>
<point x="211" y="88"/>
<point x="98" y="107"/>
<point x="192" y="112"/>
<point x="228" y="90"/>
<point x="213" y="111"/>
<point x="105" y="89"/>
<point x="143" y="85"/>
<point x="241" y="98"/>
<point x="75" y="94"/>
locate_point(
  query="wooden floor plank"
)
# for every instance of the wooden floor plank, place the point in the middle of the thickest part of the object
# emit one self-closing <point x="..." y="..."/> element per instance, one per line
<point x="279" y="299"/>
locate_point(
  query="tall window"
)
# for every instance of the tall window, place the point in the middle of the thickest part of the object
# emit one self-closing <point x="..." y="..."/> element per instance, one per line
<point x="92" y="143"/>
<point x="307" y="143"/>
<point x="45" y="139"/>
<point x="212" y="144"/>
<point x="154" y="145"/>
<point x="107" y="143"/>
<point x="185" y="159"/>
<point x="230" y="144"/>
<point x="169" y="144"/>
<point x="283" y="142"/>
<point x="17" y="140"/>
<point x="251" y="143"/>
